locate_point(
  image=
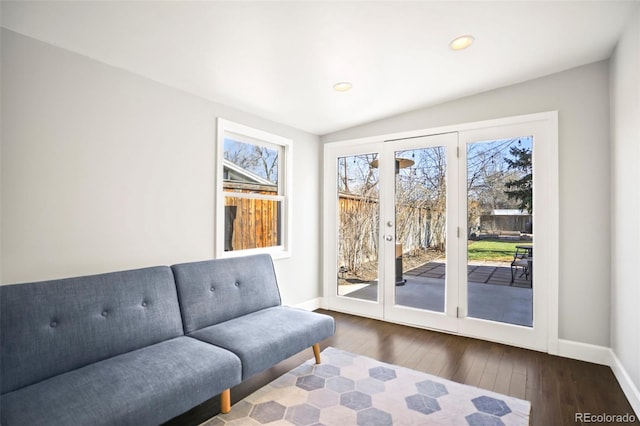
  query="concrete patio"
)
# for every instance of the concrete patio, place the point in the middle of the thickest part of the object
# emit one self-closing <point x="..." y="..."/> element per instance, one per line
<point x="496" y="273"/>
<point x="490" y="295"/>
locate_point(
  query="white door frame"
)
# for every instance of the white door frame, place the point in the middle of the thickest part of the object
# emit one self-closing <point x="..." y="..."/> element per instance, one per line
<point x="371" y="309"/>
<point x="546" y="213"/>
<point x="447" y="320"/>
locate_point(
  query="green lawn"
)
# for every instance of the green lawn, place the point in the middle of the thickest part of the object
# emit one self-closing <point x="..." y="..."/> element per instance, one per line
<point x="493" y="250"/>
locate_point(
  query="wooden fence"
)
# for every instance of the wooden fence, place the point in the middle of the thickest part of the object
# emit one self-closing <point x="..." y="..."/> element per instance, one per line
<point x="254" y="223"/>
<point x="499" y="223"/>
<point x="417" y="228"/>
<point x="250" y="222"/>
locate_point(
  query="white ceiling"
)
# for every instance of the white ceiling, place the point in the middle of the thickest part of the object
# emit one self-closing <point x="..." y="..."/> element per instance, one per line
<point x="279" y="60"/>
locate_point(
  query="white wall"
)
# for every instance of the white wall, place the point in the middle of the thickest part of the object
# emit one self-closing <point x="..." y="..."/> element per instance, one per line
<point x="625" y="205"/>
<point x="104" y="170"/>
<point x="581" y="96"/>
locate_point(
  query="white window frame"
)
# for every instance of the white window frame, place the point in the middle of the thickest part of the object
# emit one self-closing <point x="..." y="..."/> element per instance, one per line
<point x="226" y="128"/>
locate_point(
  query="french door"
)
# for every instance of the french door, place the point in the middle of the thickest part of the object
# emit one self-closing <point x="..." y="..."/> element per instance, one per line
<point x="386" y="197"/>
<point x="408" y="222"/>
<point x="419" y="211"/>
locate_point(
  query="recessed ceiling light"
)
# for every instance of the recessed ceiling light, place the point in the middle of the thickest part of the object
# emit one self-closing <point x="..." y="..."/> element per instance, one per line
<point x="342" y="86"/>
<point x="462" y="42"/>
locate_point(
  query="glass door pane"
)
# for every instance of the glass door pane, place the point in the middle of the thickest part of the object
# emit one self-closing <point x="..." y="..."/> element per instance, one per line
<point x="421" y="225"/>
<point x="500" y="230"/>
<point x="418" y="202"/>
<point x="358" y="226"/>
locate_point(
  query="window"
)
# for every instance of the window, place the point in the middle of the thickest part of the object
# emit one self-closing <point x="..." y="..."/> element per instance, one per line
<point x="253" y="196"/>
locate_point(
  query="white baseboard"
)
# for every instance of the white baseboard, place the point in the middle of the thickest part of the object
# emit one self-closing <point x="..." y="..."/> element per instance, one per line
<point x="604" y="356"/>
<point x="311" y="305"/>
<point x="585" y="352"/>
<point x="628" y="387"/>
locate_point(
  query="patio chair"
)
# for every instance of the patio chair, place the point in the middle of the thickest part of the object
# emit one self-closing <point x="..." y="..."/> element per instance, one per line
<point x="520" y="260"/>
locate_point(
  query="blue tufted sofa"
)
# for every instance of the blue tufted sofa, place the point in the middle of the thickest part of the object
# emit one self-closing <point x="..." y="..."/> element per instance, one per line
<point x="143" y="346"/>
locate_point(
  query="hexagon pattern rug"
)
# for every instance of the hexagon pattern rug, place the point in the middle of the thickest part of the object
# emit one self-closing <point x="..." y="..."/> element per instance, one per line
<point x="349" y="389"/>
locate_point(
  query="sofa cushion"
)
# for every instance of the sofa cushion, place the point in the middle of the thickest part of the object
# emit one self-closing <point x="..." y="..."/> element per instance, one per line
<point x="215" y="291"/>
<point x="51" y="327"/>
<point x="264" y="338"/>
<point x="144" y="387"/>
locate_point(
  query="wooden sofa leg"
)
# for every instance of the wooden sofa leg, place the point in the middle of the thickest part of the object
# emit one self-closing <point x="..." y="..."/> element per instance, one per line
<point x="225" y="401"/>
<point x="316" y="352"/>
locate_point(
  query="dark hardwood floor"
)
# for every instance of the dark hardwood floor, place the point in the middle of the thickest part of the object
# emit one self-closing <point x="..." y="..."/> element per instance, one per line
<point x="557" y="388"/>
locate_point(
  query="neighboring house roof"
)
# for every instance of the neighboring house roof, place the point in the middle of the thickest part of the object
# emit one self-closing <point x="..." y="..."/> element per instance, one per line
<point x="233" y="172"/>
<point x="509" y="212"/>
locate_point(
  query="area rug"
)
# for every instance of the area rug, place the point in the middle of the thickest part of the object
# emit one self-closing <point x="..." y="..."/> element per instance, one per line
<point x="349" y="389"/>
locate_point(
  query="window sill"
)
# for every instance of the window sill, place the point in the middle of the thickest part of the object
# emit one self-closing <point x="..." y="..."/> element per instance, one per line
<point x="275" y="252"/>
